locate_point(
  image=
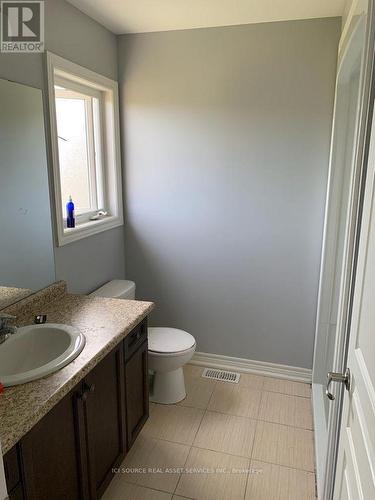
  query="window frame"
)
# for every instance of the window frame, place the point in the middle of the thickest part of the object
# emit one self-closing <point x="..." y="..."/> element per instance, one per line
<point x="107" y="148"/>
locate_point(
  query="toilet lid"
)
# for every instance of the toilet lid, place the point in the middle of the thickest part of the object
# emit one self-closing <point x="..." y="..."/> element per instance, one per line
<point x="162" y="339"/>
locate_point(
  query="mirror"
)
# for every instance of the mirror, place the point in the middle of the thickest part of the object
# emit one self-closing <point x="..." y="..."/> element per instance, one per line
<point x="26" y="243"/>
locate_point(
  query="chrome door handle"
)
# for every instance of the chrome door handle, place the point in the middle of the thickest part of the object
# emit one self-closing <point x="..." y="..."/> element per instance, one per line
<point x="344" y="378"/>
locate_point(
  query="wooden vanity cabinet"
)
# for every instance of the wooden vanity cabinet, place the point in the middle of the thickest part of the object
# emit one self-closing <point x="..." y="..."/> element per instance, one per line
<point x="71" y="451"/>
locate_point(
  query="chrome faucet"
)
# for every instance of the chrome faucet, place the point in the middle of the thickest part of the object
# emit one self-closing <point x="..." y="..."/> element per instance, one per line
<point x="5" y="329"/>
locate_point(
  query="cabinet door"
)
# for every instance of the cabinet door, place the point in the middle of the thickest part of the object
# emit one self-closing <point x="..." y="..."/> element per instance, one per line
<point x="104" y="408"/>
<point x="136" y="379"/>
<point x="51" y="454"/>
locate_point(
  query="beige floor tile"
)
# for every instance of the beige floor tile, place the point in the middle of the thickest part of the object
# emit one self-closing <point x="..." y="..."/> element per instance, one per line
<point x="283" y="445"/>
<point x="193" y="371"/>
<point x="235" y="399"/>
<point x="154" y="463"/>
<point x="284" y="409"/>
<point x="274" y="482"/>
<point x="287" y="387"/>
<point x="121" y="490"/>
<point x="173" y="423"/>
<point x="226" y="433"/>
<point x="198" y="392"/>
<point x="225" y="478"/>
<point x="251" y="380"/>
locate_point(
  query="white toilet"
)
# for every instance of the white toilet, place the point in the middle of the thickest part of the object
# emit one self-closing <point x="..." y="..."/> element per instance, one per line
<point x="169" y="349"/>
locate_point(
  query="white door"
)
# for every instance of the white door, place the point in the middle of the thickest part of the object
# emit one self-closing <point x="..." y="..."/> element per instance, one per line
<point x="355" y="471"/>
<point x="337" y="251"/>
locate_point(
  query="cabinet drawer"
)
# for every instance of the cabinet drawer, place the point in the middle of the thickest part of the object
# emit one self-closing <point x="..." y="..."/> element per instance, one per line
<point x="135" y="339"/>
<point x="12" y="468"/>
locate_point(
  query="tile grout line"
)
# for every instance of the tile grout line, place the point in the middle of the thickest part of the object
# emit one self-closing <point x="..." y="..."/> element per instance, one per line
<point x="195" y="435"/>
<point x="191" y="446"/>
<point x="180" y="476"/>
<point x="199" y="426"/>
<point x="245" y="416"/>
<point x="287" y="394"/>
<point x="234" y="455"/>
<point x="251" y="456"/>
<point x="252" y="445"/>
<point x="257" y="421"/>
<point x="250" y="459"/>
<point x="283" y="465"/>
<point x="146" y="487"/>
<point x="212" y="393"/>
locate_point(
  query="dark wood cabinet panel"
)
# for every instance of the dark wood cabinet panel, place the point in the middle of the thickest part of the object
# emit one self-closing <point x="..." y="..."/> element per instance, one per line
<point x="105" y="407"/>
<point x="70" y="453"/>
<point x="137" y="401"/>
<point x="51" y="455"/>
<point x="16" y="493"/>
<point x="12" y="468"/>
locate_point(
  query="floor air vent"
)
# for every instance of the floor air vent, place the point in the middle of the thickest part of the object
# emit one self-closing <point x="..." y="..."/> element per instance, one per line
<point x="221" y="375"/>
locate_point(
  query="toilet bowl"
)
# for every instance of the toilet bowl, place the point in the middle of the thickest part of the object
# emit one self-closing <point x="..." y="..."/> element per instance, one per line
<point x="169" y="349"/>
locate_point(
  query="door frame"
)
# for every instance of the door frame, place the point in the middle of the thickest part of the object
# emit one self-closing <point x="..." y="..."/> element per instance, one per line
<point x="348" y="48"/>
<point x="367" y="92"/>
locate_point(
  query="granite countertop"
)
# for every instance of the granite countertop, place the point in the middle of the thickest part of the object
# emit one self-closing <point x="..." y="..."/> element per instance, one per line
<point x="9" y="295"/>
<point x="104" y="322"/>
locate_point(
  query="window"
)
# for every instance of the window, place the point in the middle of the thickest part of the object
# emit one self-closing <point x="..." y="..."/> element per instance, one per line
<point x="79" y="146"/>
<point x="85" y="149"/>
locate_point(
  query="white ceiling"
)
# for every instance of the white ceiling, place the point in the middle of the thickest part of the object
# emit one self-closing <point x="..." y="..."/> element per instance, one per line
<point x="139" y="16"/>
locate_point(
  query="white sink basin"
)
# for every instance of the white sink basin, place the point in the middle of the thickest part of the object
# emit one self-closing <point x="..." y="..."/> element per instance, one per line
<point x="38" y="350"/>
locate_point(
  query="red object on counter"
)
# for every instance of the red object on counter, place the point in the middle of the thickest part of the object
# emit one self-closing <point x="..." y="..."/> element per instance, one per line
<point x="2" y="388"/>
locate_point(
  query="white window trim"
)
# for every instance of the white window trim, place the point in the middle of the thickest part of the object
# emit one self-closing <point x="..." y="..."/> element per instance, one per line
<point x="111" y="153"/>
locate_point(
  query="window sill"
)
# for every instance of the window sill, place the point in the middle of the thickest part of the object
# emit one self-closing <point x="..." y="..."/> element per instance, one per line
<point x="85" y="229"/>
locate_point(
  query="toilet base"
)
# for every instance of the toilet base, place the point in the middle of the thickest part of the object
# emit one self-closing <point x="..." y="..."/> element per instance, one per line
<point x="168" y="387"/>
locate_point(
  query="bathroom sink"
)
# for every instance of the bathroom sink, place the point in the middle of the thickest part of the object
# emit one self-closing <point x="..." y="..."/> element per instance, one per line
<point x="38" y="350"/>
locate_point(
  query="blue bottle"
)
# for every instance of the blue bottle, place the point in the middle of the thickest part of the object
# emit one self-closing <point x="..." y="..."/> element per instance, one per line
<point x="70" y="220"/>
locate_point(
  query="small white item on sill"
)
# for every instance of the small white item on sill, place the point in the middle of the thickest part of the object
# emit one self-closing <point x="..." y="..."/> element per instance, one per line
<point x="99" y="215"/>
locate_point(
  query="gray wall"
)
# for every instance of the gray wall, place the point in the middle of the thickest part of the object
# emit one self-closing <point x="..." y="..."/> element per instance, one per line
<point x="226" y="137"/>
<point x="71" y="34"/>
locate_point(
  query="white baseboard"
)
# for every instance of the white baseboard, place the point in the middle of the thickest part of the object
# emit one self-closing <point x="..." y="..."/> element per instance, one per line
<point x="250" y="366"/>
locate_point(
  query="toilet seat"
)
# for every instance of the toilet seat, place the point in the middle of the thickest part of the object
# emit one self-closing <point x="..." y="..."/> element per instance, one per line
<point x="162" y="340"/>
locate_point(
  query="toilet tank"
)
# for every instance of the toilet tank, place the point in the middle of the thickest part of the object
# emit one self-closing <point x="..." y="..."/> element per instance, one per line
<point x="116" y="289"/>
